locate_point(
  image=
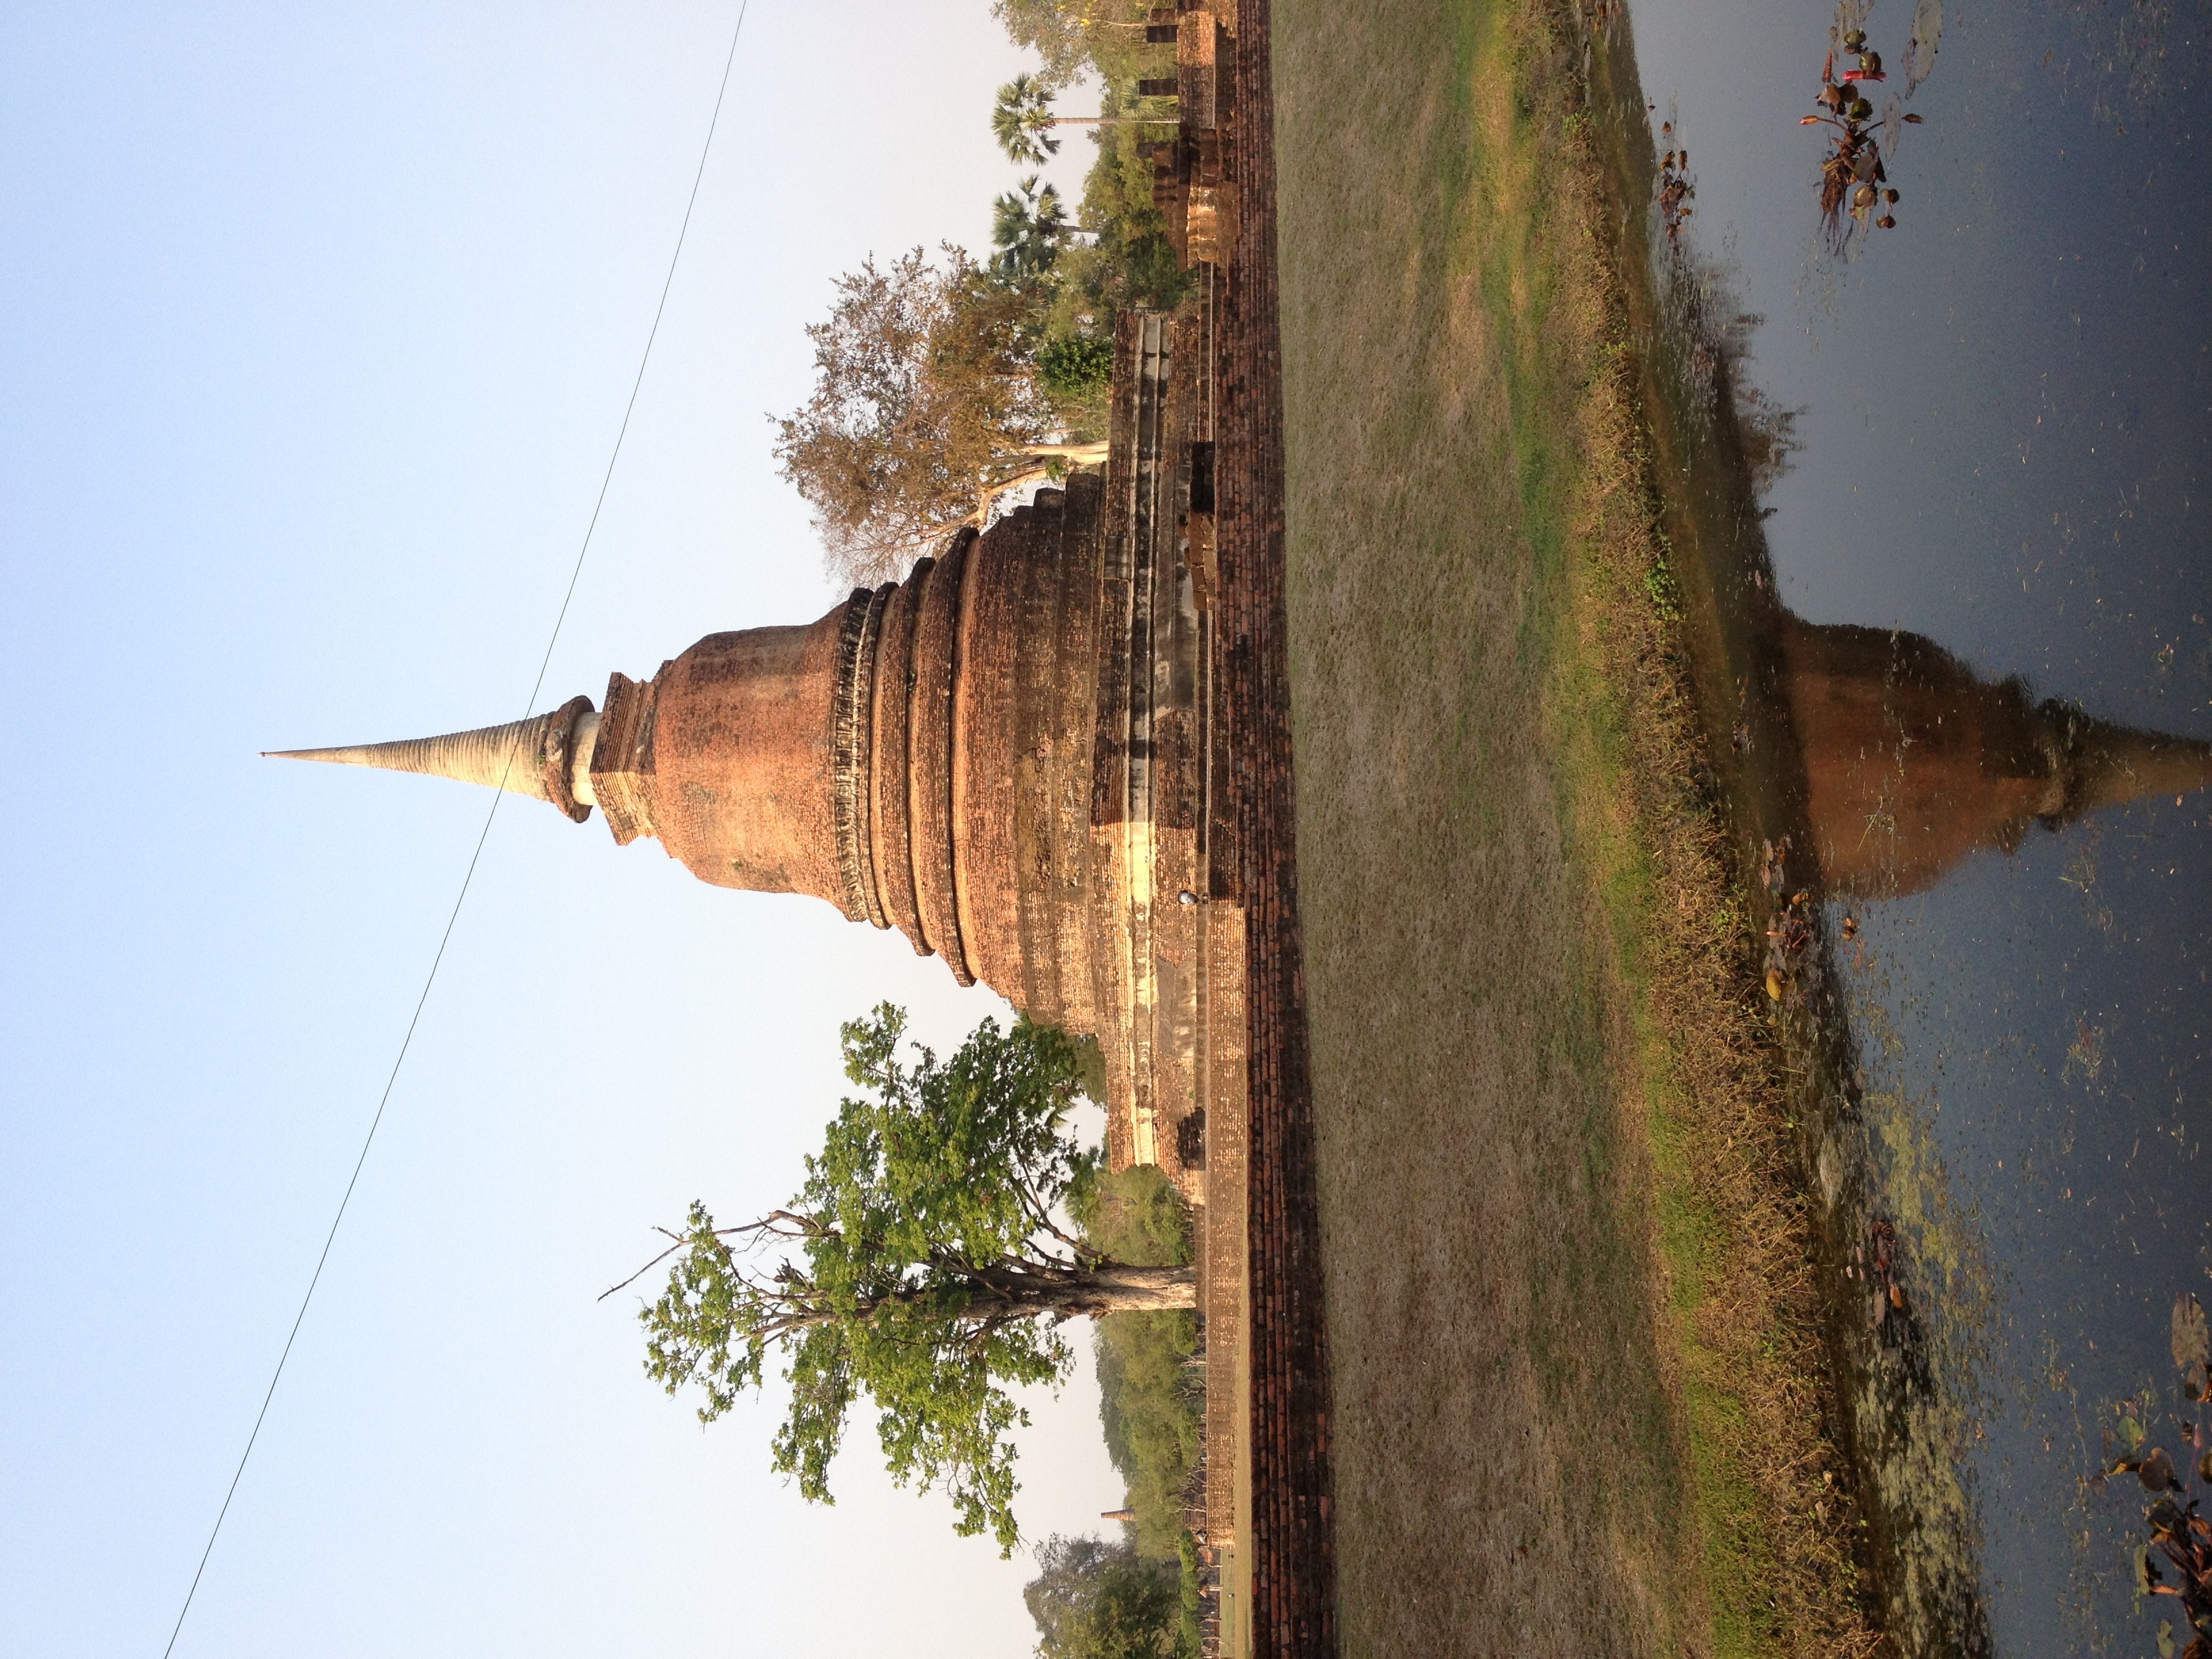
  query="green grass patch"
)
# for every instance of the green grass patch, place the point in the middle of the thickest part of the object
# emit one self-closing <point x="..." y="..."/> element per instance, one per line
<point x="1565" y="1290"/>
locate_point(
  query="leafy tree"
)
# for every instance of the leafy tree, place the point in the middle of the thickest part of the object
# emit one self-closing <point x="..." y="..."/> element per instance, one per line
<point x="1131" y="263"/>
<point x="1151" y="1402"/>
<point x="1189" y="1640"/>
<point x="1093" y="1599"/>
<point x="1022" y="122"/>
<point x="1133" y="1215"/>
<point x="925" y="409"/>
<point x="1028" y="227"/>
<point x="929" y="1271"/>
<point x="1054" y="29"/>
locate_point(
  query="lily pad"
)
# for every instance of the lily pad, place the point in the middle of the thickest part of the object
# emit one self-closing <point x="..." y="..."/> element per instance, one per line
<point x="2190" y="1339"/>
<point x="1920" y="50"/>
<point x="2157" y="1471"/>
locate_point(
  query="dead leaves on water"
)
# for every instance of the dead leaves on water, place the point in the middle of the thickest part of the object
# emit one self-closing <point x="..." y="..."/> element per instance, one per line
<point x="2176" y="1561"/>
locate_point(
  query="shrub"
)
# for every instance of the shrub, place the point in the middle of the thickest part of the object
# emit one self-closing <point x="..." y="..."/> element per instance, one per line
<point x="1075" y="367"/>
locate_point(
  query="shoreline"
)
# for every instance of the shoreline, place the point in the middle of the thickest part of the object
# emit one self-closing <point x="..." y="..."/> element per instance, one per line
<point x="1507" y="317"/>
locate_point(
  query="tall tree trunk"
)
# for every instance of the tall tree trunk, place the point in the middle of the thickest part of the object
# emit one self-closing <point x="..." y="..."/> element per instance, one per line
<point x="1112" y="1288"/>
<point x="1074" y="454"/>
<point x="1003" y="1292"/>
<point x="1142" y="1290"/>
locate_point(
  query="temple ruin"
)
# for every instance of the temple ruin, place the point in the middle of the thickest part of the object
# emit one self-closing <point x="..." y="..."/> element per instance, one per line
<point x="1010" y="757"/>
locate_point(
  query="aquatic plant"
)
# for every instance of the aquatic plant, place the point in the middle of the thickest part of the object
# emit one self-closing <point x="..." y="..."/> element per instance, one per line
<point x="1854" y="186"/>
<point x="1676" y="187"/>
<point x="2180" y="1537"/>
<point x="1792" y="967"/>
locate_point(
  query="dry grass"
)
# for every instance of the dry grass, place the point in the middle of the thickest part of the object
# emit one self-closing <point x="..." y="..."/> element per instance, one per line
<point x="1577" y="1380"/>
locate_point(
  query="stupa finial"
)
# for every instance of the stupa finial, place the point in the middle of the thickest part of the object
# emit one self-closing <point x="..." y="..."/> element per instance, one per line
<point x="547" y="758"/>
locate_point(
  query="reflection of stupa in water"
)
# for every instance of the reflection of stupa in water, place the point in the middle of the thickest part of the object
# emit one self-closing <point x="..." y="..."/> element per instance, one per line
<point x="1912" y="762"/>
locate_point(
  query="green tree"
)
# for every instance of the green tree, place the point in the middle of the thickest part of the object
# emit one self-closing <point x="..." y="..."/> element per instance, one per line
<point x="927" y="1269"/>
<point x="1028" y="227"/>
<point x="1093" y="1599"/>
<point x="925" y="409"/>
<point x="1022" y="120"/>
<point x="1131" y="264"/>
<point x="1054" y="29"/>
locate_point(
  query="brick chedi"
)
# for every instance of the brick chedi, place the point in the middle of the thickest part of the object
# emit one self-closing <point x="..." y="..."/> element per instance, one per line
<point x="1004" y="756"/>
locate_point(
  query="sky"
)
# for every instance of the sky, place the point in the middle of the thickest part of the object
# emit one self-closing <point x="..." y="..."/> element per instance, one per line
<point x="316" y="328"/>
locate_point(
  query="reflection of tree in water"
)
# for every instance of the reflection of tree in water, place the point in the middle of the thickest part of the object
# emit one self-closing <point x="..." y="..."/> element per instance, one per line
<point x="2132" y="57"/>
<point x="1676" y="187"/>
<point x="1698" y="295"/>
<point x="1912" y="761"/>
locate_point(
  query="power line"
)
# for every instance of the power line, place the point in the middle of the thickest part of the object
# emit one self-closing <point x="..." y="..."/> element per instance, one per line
<point x="468" y="876"/>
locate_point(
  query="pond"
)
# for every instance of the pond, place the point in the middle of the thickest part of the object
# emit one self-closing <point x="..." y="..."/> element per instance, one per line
<point x="1937" y="497"/>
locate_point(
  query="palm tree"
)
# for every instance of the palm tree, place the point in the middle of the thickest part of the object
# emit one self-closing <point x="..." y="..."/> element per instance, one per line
<point x="1022" y="121"/>
<point x="1028" y="227"/>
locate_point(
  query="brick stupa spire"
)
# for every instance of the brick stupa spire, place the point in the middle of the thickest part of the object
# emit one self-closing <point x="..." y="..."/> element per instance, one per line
<point x="1004" y="756"/>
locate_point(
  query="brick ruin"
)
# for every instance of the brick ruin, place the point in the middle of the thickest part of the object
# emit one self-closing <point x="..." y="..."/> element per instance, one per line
<point x="1010" y="756"/>
<point x="1013" y="758"/>
<point x="1020" y="757"/>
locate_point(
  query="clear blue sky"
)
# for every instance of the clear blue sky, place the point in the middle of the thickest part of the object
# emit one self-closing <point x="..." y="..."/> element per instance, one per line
<point x="315" y="326"/>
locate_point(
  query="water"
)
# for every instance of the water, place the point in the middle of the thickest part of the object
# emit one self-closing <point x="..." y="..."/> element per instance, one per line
<point x="1939" y="503"/>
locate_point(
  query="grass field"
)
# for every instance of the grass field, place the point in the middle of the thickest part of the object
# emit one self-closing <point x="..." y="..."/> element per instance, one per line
<point x="1577" y="1377"/>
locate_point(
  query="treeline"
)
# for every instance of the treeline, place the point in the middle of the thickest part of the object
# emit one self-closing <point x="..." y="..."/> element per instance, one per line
<point x="1140" y="1595"/>
<point x="944" y="382"/>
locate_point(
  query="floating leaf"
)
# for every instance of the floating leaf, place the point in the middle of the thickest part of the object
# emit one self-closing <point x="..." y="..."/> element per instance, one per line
<point x="2191" y="1339"/>
<point x="1920" y="50"/>
<point x="2166" y="1638"/>
<point x="2131" y="1432"/>
<point x="2157" y="1471"/>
